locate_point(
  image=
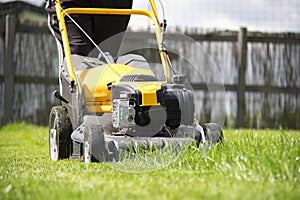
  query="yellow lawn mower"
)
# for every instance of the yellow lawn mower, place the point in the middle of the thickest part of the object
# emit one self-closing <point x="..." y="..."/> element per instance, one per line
<point x="118" y="104"/>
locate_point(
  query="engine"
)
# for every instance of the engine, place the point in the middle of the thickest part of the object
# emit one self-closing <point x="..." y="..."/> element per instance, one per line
<point x="171" y="105"/>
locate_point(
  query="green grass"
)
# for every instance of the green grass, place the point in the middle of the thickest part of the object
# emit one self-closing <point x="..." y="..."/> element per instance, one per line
<point x="250" y="164"/>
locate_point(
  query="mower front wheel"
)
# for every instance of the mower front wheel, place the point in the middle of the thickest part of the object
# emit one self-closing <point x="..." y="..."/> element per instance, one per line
<point x="60" y="130"/>
<point x="93" y="144"/>
<point x="213" y="133"/>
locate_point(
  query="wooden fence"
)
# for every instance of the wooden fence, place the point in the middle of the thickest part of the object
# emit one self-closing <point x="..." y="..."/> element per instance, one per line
<point x="28" y="74"/>
<point x="267" y="85"/>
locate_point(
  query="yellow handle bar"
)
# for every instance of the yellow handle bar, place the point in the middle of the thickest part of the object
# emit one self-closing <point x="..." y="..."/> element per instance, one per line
<point x="62" y="27"/>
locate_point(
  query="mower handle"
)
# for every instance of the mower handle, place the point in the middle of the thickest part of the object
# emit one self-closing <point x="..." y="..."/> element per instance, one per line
<point x="62" y="27"/>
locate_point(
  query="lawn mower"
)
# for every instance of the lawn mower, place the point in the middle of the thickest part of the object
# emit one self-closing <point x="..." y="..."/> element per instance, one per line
<point x="109" y="105"/>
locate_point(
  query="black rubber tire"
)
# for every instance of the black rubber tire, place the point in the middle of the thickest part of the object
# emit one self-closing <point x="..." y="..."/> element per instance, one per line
<point x="213" y="133"/>
<point x="59" y="123"/>
<point x="93" y="144"/>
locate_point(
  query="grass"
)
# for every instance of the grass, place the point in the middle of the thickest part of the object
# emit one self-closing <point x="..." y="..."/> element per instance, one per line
<point x="250" y="164"/>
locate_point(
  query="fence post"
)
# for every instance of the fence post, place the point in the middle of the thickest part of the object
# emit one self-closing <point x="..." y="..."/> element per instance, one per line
<point x="9" y="68"/>
<point x="242" y="64"/>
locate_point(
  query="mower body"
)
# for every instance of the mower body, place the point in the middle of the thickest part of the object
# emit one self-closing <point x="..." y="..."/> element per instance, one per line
<point x="108" y="107"/>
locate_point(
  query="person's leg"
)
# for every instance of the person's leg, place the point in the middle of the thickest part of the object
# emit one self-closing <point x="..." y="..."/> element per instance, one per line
<point x="53" y="27"/>
<point x="79" y="43"/>
<point x="106" y="26"/>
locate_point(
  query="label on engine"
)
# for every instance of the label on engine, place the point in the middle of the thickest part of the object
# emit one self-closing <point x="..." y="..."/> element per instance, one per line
<point x="123" y="114"/>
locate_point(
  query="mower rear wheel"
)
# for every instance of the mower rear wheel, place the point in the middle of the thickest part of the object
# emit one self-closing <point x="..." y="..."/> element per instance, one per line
<point x="93" y="144"/>
<point x="60" y="129"/>
<point x="213" y="133"/>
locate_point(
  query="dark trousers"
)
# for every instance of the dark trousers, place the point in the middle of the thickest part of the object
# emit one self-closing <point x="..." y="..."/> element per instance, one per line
<point x="98" y="27"/>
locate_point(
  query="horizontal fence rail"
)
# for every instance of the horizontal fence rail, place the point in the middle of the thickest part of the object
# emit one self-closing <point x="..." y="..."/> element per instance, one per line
<point x="248" y="88"/>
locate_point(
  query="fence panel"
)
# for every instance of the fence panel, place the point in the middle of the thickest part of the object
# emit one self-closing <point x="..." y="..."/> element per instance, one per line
<point x="269" y="96"/>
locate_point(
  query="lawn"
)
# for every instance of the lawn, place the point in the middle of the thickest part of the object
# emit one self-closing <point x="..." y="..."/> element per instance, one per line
<point x="250" y="164"/>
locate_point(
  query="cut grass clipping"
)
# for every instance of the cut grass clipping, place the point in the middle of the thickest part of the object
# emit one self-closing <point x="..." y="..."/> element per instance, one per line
<point x="250" y="164"/>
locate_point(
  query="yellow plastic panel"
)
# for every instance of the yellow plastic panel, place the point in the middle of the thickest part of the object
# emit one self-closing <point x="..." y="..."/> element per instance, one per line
<point x="94" y="81"/>
<point x="98" y="107"/>
<point x="149" y="97"/>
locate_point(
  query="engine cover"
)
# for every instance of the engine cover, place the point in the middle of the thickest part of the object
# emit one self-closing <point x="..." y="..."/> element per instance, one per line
<point x="179" y="104"/>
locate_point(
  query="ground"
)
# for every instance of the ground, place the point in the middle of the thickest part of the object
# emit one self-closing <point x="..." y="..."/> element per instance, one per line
<point x="250" y="164"/>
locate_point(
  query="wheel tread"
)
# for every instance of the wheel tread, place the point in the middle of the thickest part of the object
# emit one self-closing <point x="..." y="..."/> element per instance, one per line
<point x="64" y="130"/>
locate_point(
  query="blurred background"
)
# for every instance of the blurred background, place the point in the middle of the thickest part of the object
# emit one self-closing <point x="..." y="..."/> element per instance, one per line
<point x="255" y="45"/>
